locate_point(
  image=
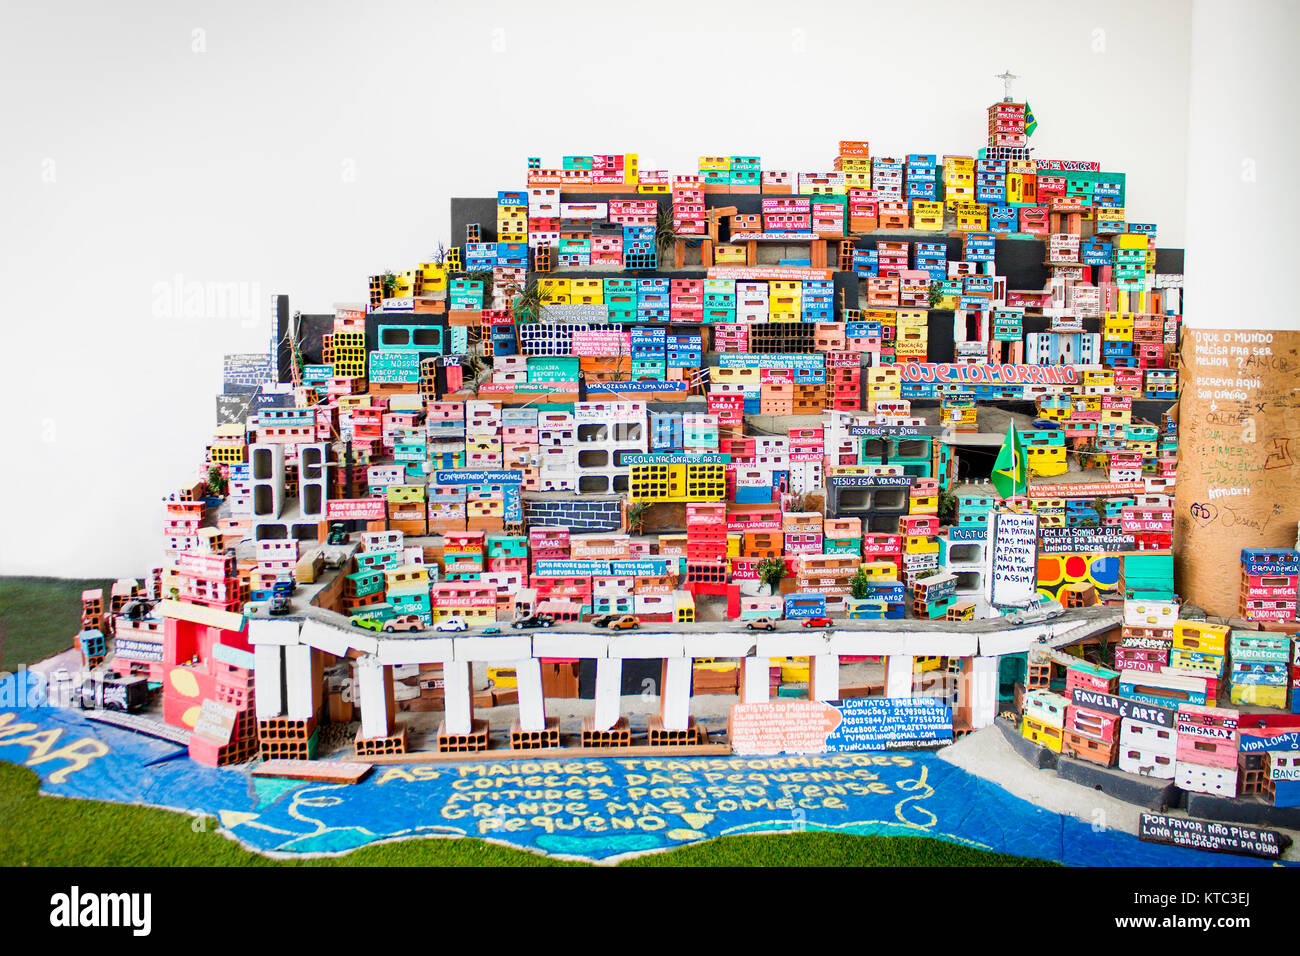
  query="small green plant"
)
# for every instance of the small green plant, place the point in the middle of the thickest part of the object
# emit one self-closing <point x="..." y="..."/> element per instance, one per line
<point x="636" y="515"/>
<point x="771" y="571"/>
<point x="483" y="276"/>
<point x="1088" y="456"/>
<point x="666" y="234"/>
<point x="1099" y="506"/>
<point x="292" y="338"/>
<point x="947" y="507"/>
<point x="475" y="370"/>
<point x="798" y="502"/>
<point x="389" y="281"/>
<point x="217" y="483"/>
<point x="936" y="294"/>
<point x="299" y="360"/>
<point x="526" y="303"/>
<point x="860" y="585"/>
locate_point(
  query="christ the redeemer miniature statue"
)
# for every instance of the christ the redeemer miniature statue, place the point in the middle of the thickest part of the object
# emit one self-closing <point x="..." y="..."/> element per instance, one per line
<point x="1006" y="79"/>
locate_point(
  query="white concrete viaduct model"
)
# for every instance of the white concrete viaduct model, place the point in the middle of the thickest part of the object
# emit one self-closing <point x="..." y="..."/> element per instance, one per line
<point x="285" y="688"/>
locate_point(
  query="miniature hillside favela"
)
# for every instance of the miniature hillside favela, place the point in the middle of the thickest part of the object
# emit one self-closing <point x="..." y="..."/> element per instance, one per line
<point x="871" y="457"/>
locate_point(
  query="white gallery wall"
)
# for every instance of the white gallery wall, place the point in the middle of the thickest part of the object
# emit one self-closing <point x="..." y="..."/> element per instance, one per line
<point x="1243" y="143"/>
<point x="166" y="168"/>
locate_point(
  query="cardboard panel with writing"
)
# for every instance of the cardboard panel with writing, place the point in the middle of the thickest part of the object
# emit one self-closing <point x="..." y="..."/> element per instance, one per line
<point x="1238" y="474"/>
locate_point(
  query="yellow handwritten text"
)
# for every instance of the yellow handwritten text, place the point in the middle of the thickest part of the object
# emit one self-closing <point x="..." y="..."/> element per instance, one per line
<point x="79" y="754"/>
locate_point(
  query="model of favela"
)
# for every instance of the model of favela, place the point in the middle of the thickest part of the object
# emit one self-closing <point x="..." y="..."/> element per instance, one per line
<point x="860" y="459"/>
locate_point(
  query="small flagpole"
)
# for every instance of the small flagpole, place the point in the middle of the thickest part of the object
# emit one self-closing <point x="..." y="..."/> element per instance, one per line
<point x="1015" y="461"/>
<point x="1015" y="466"/>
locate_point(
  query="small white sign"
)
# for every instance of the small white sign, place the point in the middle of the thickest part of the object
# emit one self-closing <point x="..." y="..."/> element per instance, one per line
<point x="216" y="721"/>
<point x="1011" y="577"/>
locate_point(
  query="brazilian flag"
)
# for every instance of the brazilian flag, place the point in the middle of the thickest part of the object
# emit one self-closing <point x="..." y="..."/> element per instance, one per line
<point x="1011" y="469"/>
<point x="1031" y="124"/>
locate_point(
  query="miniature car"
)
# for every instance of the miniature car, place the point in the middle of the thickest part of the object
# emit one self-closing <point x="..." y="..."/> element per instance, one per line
<point x="534" y="620"/>
<point x="1036" y="612"/>
<point x="137" y="610"/>
<point x="337" y="535"/>
<point x="761" y="624"/>
<point x="279" y="607"/>
<point x="818" y="622"/>
<point x="404" y="622"/>
<point x="112" y="691"/>
<point x="335" y="561"/>
<point x="491" y="630"/>
<point x="368" y="623"/>
<point x="627" y="622"/>
<point x="601" y="620"/>
<point x="451" y="624"/>
<point x="284" y="587"/>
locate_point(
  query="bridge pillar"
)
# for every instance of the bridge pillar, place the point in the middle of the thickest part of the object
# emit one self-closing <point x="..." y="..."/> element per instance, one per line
<point x="532" y="702"/>
<point x="268" y="660"/>
<point x="675" y="693"/>
<point x="898" y="675"/>
<point x="755" y="685"/>
<point x="982" y="691"/>
<point x="609" y="688"/>
<point x="824" y="677"/>
<point x="302" y="672"/>
<point x="458" y="706"/>
<point x="375" y="695"/>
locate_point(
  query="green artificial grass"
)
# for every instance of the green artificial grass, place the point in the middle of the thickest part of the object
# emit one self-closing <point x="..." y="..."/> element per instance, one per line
<point x="830" y="849"/>
<point x="40" y="617"/>
<point x="37" y="830"/>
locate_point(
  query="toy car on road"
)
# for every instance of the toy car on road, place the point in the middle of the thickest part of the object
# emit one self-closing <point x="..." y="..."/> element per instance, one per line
<point x="451" y="624"/>
<point x="368" y="623"/>
<point x="337" y="535"/>
<point x="1045" y="611"/>
<point x="491" y="630"/>
<point x="279" y="606"/>
<point x="137" y="610"/>
<point x="761" y="624"/>
<point x="601" y="620"/>
<point x="818" y="622"/>
<point x="112" y="691"/>
<point x="627" y="622"/>
<point x="404" y="622"/>
<point x="535" y="620"/>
